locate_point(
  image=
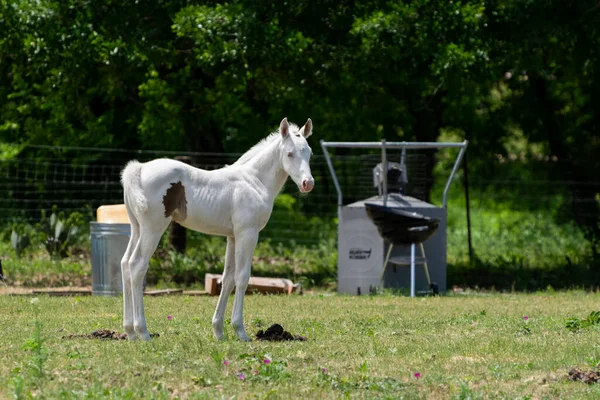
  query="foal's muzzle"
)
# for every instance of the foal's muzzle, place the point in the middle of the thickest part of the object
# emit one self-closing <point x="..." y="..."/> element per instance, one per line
<point x="307" y="185"/>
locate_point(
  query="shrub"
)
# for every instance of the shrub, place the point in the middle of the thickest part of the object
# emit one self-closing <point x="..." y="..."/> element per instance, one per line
<point x="59" y="234"/>
<point x="20" y="238"/>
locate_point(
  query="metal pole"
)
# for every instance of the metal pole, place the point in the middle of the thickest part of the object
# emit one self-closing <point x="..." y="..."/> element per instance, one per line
<point x="395" y="145"/>
<point x="412" y="270"/>
<point x="333" y="175"/>
<point x="385" y="263"/>
<point x="385" y="169"/>
<point x="456" y="164"/>
<point x="466" y="184"/>
<point x="425" y="264"/>
<point x="383" y="145"/>
<point x="403" y="157"/>
<point x="404" y="171"/>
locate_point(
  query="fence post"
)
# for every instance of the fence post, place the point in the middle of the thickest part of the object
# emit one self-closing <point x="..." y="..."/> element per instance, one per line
<point x="468" y="207"/>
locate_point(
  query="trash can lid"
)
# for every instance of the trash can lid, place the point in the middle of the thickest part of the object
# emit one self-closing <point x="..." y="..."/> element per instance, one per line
<point x="112" y="214"/>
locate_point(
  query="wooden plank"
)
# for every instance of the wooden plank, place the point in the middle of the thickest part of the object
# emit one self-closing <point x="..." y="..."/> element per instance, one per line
<point x="212" y="284"/>
<point x="63" y="292"/>
<point x="163" y="292"/>
<point x="196" y="293"/>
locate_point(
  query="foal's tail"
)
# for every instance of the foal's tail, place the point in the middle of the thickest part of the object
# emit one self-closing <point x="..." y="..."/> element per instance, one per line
<point x="132" y="188"/>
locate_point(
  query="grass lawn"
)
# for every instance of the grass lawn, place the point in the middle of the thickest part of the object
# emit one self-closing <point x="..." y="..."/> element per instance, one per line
<point x="463" y="346"/>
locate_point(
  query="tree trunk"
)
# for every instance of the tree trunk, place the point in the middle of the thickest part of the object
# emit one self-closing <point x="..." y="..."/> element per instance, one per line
<point x="177" y="233"/>
<point x="427" y="125"/>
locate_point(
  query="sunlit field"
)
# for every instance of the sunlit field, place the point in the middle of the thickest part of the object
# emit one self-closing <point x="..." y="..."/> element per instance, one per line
<point x="456" y="346"/>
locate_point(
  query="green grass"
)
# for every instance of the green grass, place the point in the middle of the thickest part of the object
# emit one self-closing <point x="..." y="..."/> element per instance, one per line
<point x="313" y="266"/>
<point x="516" y="249"/>
<point x="464" y="347"/>
<point x="503" y="234"/>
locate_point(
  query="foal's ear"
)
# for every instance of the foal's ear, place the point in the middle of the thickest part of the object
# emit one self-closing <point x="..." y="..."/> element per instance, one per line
<point x="284" y="127"/>
<point x="308" y="128"/>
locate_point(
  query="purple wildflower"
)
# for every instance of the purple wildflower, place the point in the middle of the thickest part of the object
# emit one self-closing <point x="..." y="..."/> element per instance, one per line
<point x="267" y="361"/>
<point x="324" y="370"/>
<point x="241" y="376"/>
<point x="225" y="362"/>
<point x="526" y="318"/>
<point x="169" y="317"/>
<point x="417" y="375"/>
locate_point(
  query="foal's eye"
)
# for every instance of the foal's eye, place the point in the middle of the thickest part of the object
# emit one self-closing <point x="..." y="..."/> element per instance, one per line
<point x="290" y="154"/>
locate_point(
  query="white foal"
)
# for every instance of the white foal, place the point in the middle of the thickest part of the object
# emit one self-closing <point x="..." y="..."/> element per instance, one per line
<point x="235" y="201"/>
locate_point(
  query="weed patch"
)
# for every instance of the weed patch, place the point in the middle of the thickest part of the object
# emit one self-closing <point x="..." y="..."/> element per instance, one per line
<point x="575" y="324"/>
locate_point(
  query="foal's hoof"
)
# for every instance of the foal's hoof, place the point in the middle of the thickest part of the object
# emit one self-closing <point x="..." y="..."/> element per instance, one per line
<point x="132" y="337"/>
<point x="244" y="337"/>
<point x="219" y="334"/>
<point x="145" y="337"/>
<point x="220" y="338"/>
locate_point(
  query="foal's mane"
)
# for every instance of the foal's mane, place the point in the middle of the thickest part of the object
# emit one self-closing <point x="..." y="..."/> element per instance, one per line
<point x="264" y="143"/>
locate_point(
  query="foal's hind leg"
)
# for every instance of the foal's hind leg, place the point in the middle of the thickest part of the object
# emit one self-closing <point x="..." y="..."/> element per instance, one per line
<point x="226" y="288"/>
<point x="126" y="275"/>
<point x="138" y="263"/>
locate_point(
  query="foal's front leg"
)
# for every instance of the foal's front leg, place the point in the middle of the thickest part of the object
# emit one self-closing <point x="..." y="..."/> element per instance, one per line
<point x="244" y="248"/>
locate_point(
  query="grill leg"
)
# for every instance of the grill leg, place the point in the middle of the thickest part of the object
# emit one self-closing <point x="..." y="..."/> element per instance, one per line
<point x="385" y="263"/>
<point x="412" y="270"/>
<point x="425" y="263"/>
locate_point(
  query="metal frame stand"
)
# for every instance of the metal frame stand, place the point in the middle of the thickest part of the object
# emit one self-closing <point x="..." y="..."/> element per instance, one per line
<point x="412" y="261"/>
<point x="383" y="146"/>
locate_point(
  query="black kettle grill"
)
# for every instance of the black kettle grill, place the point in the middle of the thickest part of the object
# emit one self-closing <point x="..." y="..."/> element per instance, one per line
<point x="403" y="228"/>
<point x="399" y="227"/>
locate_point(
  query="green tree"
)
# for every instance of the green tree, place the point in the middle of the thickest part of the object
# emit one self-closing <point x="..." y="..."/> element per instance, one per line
<point x="213" y="76"/>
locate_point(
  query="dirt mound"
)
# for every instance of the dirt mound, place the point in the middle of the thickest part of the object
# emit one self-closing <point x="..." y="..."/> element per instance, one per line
<point x="276" y="333"/>
<point x="104" y="334"/>
<point x="590" y="376"/>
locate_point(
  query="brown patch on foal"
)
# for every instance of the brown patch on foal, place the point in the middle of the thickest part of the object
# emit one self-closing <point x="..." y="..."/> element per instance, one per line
<point x="175" y="202"/>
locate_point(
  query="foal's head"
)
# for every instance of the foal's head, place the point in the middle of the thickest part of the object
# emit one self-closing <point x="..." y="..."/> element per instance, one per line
<point x="295" y="153"/>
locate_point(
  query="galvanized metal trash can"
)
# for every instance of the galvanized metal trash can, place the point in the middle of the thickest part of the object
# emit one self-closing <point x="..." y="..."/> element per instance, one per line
<point x="109" y="242"/>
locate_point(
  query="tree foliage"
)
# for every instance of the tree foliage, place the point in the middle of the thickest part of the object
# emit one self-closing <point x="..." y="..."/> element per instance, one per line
<point x="214" y="76"/>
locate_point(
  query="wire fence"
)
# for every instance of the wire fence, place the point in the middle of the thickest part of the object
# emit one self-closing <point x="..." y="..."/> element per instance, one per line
<point x="75" y="179"/>
<point x="519" y="210"/>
